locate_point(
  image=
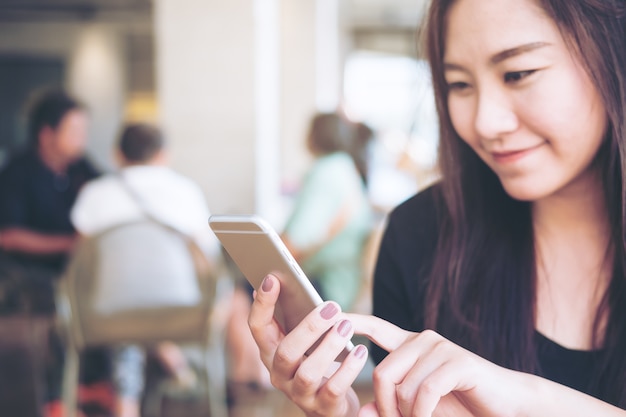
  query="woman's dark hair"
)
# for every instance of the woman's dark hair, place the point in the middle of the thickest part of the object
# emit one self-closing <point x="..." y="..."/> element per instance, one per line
<point x="140" y="142"/>
<point x="483" y="279"/>
<point x="362" y="137"/>
<point x="49" y="110"/>
<point x="333" y="132"/>
<point x="330" y="132"/>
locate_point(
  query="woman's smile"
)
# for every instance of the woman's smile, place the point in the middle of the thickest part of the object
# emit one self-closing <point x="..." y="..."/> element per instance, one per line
<point x="507" y="157"/>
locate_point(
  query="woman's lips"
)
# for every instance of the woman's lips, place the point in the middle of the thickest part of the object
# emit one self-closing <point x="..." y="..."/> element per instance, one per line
<point x="508" y="157"/>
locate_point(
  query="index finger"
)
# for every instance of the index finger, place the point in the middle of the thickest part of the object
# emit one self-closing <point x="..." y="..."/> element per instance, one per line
<point x="386" y="335"/>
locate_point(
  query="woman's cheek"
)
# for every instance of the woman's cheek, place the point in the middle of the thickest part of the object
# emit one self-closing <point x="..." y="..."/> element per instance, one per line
<point x="461" y="116"/>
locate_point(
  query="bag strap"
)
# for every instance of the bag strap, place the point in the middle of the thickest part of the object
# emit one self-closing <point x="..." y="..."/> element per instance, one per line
<point x="144" y="208"/>
<point x="201" y="262"/>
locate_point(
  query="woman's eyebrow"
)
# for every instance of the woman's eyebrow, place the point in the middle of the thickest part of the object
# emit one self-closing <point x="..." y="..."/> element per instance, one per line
<point x="500" y="56"/>
<point x="518" y="50"/>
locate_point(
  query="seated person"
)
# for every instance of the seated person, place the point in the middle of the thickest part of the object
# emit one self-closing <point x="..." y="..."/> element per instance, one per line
<point x="39" y="186"/>
<point x="144" y="187"/>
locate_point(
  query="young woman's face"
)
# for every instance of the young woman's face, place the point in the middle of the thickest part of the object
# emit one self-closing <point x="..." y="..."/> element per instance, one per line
<point x="519" y="98"/>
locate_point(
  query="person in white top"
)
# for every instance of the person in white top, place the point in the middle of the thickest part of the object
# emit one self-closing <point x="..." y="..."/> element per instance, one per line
<point x="164" y="193"/>
<point x="144" y="186"/>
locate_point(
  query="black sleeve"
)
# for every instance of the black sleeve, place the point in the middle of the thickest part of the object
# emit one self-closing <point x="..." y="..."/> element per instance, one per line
<point x="403" y="265"/>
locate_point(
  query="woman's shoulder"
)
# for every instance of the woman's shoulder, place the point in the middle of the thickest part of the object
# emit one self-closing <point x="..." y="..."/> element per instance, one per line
<point x="413" y="229"/>
<point x="337" y="160"/>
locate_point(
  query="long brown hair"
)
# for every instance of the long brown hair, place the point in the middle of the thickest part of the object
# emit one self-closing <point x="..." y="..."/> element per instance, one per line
<point x="483" y="280"/>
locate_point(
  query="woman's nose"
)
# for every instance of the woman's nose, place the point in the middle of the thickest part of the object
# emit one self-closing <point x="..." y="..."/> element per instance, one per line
<point x="495" y="115"/>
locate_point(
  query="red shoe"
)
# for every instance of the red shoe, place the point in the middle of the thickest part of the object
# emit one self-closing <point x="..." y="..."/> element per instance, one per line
<point x="57" y="409"/>
<point x="54" y="409"/>
<point x="100" y="393"/>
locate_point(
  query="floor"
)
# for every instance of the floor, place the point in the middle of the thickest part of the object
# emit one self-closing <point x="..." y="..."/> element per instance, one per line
<point x="276" y="404"/>
<point x="19" y="386"/>
<point x="272" y="404"/>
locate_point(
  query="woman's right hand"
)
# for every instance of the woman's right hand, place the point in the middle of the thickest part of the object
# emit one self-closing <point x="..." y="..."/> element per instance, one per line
<point x="315" y="383"/>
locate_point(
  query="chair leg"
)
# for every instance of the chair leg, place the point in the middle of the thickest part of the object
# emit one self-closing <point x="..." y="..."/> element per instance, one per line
<point x="215" y="379"/>
<point x="70" y="382"/>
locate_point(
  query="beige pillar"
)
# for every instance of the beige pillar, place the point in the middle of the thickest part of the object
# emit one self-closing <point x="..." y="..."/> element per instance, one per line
<point x="207" y="91"/>
<point x="311" y="73"/>
<point x="97" y="75"/>
<point x="237" y="82"/>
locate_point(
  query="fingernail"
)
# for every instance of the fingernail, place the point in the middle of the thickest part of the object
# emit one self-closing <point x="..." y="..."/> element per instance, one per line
<point x="267" y="283"/>
<point x="360" y="351"/>
<point x="329" y="311"/>
<point x="344" y="328"/>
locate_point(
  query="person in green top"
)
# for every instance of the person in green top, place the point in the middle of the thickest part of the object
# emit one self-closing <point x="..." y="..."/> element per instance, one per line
<point x="332" y="217"/>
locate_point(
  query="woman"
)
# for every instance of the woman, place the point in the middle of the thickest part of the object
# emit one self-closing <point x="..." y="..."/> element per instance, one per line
<point x="518" y="255"/>
<point x="332" y="217"/>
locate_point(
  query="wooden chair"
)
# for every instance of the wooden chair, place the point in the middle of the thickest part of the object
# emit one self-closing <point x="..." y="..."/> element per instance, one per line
<point x="142" y="283"/>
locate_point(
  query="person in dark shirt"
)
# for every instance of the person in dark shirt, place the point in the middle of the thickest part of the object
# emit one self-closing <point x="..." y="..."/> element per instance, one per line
<point x="501" y="291"/>
<point x="39" y="186"/>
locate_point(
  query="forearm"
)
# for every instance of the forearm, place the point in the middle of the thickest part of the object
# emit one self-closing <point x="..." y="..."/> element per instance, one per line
<point x="28" y="241"/>
<point x="547" y="398"/>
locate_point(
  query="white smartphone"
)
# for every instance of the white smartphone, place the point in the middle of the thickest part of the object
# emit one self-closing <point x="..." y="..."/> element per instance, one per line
<point x="257" y="250"/>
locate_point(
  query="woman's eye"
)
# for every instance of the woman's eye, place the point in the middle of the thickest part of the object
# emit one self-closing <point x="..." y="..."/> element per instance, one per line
<point x="458" y="86"/>
<point x="516" y="76"/>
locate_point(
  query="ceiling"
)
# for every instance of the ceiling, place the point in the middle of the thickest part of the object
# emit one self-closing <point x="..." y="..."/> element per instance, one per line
<point x="385" y="13"/>
<point x="361" y="13"/>
<point x="70" y="9"/>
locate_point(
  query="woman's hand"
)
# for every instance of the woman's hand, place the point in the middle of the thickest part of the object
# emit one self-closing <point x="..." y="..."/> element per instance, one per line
<point x="315" y="383"/>
<point x="427" y="375"/>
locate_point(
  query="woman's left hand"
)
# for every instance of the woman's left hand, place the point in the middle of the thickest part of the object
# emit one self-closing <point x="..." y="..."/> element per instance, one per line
<point x="427" y="375"/>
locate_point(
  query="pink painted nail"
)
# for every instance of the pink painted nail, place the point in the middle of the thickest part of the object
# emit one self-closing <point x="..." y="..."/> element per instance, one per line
<point x="329" y="311"/>
<point x="267" y="283"/>
<point x="360" y="351"/>
<point x="344" y="328"/>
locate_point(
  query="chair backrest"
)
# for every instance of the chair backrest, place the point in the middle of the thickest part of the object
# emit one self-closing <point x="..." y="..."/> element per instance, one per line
<point x="140" y="282"/>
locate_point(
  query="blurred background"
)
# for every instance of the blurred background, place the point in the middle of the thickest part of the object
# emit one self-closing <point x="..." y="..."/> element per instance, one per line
<point x="232" y="83"/>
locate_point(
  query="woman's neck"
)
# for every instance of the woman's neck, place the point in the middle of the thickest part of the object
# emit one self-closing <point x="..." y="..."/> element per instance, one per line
<point x="578" y="210"/>
<point x="574" y="264"/>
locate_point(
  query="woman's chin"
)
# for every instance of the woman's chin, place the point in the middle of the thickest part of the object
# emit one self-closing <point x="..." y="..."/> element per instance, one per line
<point x="526" y="192"/>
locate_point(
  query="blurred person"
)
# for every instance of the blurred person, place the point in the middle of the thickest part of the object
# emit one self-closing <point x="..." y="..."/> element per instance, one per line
<point x="332" y="218"/>
<point x="39" y="186"/>
<point x="501" y="290"/>
<point x="144" y="185"/>
<point x="37" y="190"/>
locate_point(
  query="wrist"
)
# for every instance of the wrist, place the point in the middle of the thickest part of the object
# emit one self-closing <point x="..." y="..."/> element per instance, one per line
<point x="529" y="393"/>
